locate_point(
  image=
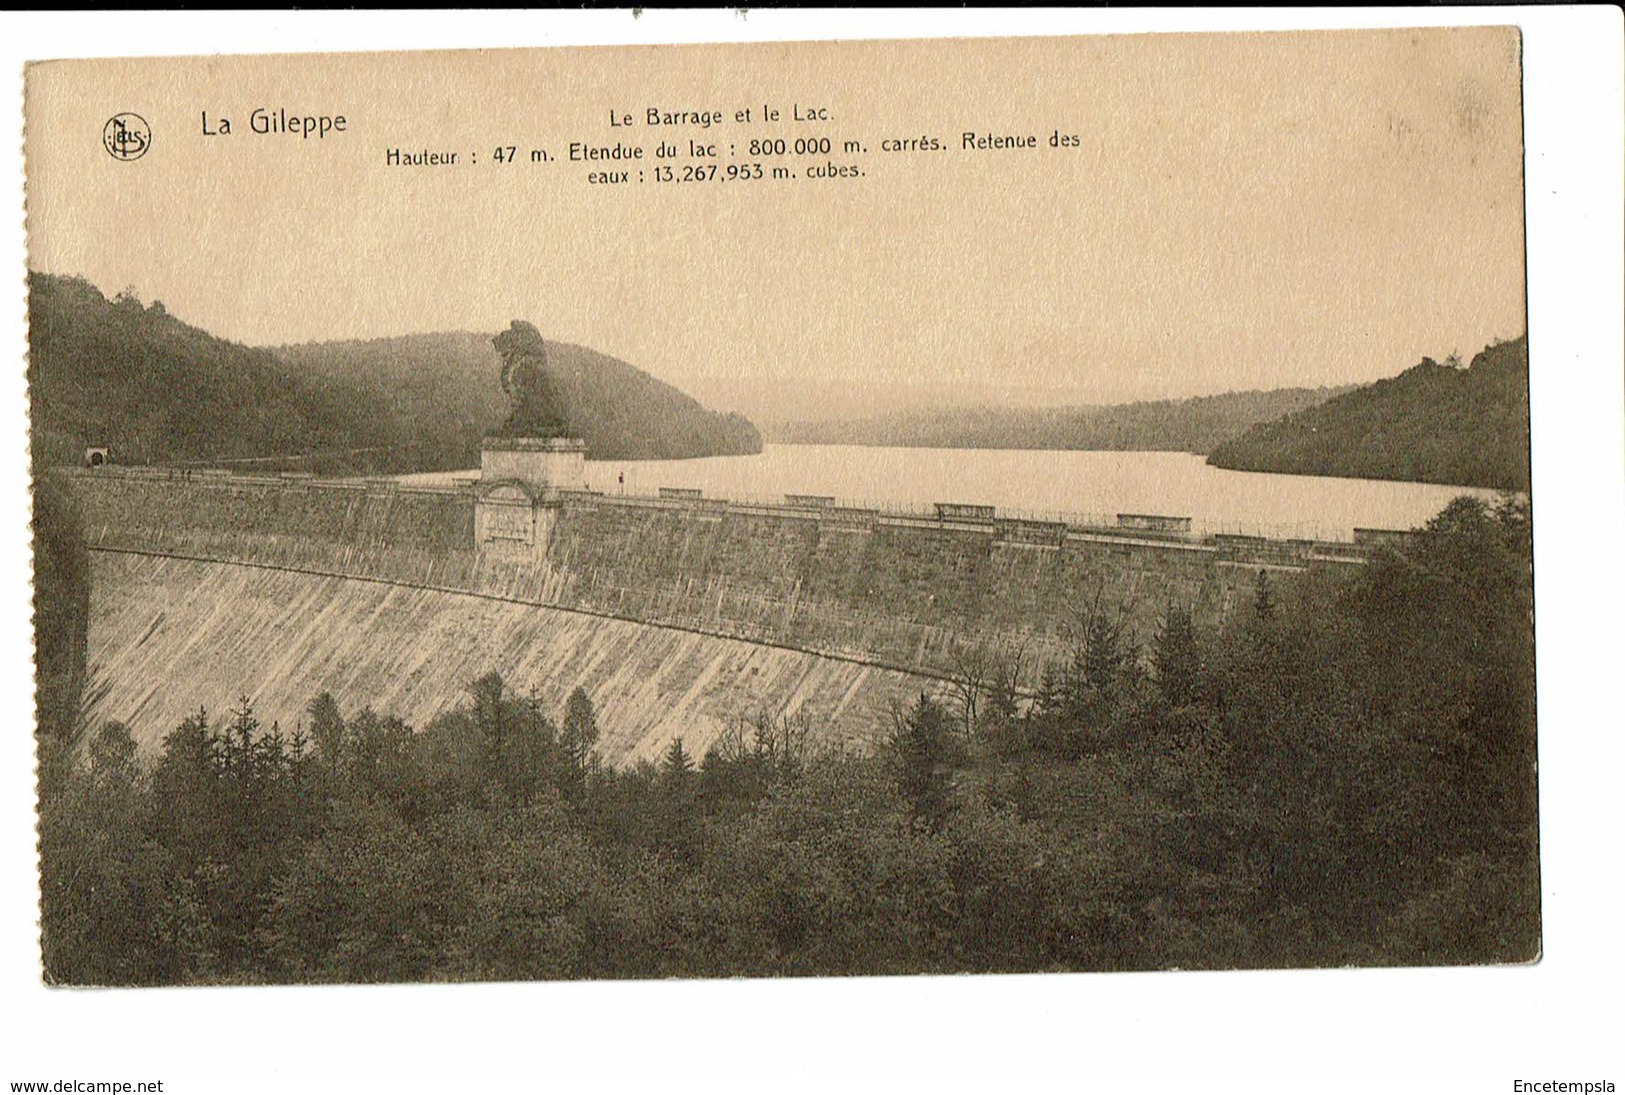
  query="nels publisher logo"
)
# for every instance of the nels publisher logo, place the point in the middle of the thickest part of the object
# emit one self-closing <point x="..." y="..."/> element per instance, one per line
<point x="126" y="136"/>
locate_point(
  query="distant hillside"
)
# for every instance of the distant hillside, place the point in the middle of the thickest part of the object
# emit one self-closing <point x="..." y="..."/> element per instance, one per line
<point x="1175" y="425"/>
<point x="118" y="373"/>
<point x="1432" y="424"/>
<point x="158" y="391"/>
<point x="449" y="383"/>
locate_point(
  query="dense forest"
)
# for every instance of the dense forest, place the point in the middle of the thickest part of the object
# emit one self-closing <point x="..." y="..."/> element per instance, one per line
<point x="1271" y="794"/>
<point x="158" y="391"/>
<point x="133" y="377"/>
<point x="1170" y="425"/>
<point x="61" y="620"/>
<point x="449" y="380"/>
<point x="1434" y="423"/>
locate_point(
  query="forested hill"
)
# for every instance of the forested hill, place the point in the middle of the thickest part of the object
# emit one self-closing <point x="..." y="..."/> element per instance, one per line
<point x="1175" y="425"/>
<point x="131" y="376"/>
<point x="1433" y="424"/>
<point x="157" y="391"/>
<point x="450" y="382"/>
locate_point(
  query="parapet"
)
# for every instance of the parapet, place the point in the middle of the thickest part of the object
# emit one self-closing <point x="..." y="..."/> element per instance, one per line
<point x="1153" y="522"/>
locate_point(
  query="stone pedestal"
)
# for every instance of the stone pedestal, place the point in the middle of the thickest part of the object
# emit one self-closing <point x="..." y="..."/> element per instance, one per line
<point x="518" y="499"/>
<point x="543" y="465"/>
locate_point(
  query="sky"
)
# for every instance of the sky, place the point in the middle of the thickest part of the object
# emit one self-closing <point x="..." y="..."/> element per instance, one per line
<point x="1239" y="211"/>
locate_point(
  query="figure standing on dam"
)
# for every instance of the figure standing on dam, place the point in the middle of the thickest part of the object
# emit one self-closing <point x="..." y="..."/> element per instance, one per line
<point x="536" y="404"/>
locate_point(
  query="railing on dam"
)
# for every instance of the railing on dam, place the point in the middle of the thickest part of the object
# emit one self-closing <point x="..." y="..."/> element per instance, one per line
<point x="1108" y="524"/>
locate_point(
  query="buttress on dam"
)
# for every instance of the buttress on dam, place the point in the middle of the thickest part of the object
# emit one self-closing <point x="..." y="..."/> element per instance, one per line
<point x="678" y="614"/>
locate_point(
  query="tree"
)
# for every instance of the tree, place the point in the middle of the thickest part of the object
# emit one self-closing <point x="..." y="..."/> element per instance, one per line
<point x="971" y="677"/>
<point x="924" y="757"/>
<point x="101" y="876"/>
<point x="486" y="693"/>
<point x="61" y="621"/>
<point x="1378" y="743"/>
<point x="1176" y="658"/>
<point x="521" y="745"/>
<point x="1081" y="703"/>
<point x="675" y="794"/>
<point x="185" y="794"/>
<point x="1100" y="652"/>
<point x="379" y="756"/>
<point x="1264" y="609"/>
<point x="752" y="756"/>
<point x="1051" y="698"/>
<point x="235" y="746"/>
<point x="579" y="734"/>
<point x="678" y="766"/>
<point x="112" y="755"/>
<point x="535" y="758"/>
<point x="327" y="732"/>
<point x="366" y="901"/>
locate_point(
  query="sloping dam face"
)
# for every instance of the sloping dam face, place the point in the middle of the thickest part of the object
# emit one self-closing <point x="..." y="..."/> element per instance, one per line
<point x="168" y="636"/>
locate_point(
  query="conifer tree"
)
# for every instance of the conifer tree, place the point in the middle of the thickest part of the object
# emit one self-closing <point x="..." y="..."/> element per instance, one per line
<point x="1264" y="599"/>
<point x="1176" y="658"/>
<point x="327" y="733"/>
<point x="678" y="765"/>
<point x="925" y="754"/>
<point x="580" y="731"/>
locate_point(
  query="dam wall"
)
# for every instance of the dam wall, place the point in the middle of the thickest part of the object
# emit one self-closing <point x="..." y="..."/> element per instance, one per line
<point x="169" y="635"/>
<point x="907" y="591"/>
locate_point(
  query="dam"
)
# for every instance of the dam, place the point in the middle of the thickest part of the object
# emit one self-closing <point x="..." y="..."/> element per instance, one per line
<point x="678" y="613"/>
<point x="168" y="635"/>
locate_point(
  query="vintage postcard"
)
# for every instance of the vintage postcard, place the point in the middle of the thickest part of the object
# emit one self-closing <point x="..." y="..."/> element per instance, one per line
<point x="763" y="510"/>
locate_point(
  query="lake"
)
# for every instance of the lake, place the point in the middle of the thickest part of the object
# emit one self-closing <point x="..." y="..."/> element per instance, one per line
<point x="1041" y="483"/>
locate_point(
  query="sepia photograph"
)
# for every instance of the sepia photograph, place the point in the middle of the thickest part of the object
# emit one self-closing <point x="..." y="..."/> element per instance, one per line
<point x="827" y="509"/>
<point x="709" y="537"/>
